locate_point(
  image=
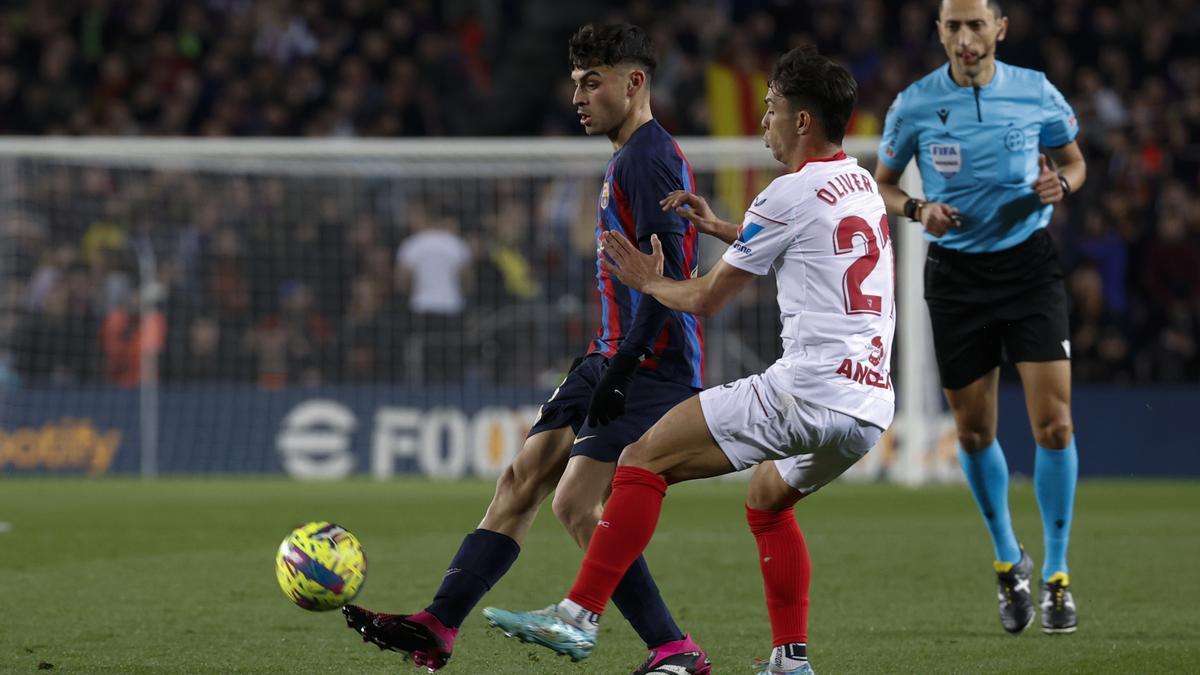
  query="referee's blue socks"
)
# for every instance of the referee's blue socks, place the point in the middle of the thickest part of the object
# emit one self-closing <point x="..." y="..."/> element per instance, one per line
<point x="987" y="474"/>
<point x="1054" y="475"/>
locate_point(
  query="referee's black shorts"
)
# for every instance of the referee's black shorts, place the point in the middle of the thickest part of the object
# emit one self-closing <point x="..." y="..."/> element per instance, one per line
<point x="985" y="305"/>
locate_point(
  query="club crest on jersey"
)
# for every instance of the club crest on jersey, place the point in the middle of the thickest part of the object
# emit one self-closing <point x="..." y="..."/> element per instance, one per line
<point x="604" y="196"/>
<point x="947" y="159"/>
<point x="877" y="351"/>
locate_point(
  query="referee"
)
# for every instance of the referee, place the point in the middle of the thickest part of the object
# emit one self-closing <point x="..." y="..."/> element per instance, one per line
<point x="992" y="280"/>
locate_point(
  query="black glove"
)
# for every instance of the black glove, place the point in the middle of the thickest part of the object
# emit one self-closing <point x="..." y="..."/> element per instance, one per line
<point x="608" y="401"/>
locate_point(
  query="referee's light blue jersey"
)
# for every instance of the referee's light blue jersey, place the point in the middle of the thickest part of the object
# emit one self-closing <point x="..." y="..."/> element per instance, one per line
<point x="977" y="149"/>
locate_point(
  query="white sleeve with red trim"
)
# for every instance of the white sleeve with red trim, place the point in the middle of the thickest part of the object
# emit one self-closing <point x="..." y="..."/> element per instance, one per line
<point x="767" y="230"/>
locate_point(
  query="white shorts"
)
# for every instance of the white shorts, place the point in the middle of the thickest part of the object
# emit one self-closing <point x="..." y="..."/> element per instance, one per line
<point x="753" y="421"/>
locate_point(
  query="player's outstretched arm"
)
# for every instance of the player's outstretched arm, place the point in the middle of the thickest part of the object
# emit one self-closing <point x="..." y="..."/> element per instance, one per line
<point x="696" y="210"/>
<point x="702" y="296"/>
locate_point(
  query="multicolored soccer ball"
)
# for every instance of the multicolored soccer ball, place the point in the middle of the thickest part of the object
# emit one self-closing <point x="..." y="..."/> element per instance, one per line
<point x="321" y="566"/>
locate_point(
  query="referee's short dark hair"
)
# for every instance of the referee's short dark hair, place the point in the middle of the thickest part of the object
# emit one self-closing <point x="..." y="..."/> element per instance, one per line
<point x="815" y="83"/>
<point x="993" y="5"/>
<point x="612" y="45"/>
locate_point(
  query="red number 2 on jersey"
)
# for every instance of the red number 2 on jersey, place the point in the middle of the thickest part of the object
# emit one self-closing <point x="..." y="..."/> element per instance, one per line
<point x="850" y="227"/>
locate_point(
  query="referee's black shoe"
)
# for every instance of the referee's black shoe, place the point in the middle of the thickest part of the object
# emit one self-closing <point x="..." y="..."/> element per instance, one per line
<point x="1058" y="606"/>
<point x="1015" y="594"/>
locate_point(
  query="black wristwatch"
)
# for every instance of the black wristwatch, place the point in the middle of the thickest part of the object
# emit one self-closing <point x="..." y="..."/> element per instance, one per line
<point x="1062" y="180"/>
<point x="911" y="207"/>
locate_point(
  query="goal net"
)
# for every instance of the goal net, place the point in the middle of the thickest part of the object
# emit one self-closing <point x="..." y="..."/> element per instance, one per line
<point x="333" y="307"/>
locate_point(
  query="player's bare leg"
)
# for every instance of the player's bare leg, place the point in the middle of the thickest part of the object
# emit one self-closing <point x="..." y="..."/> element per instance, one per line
<point x="679" y="448"/>
<point x="1047" y="387"/>
<point x="975" y="408"/>
<point x="768" y="491"/>
<point x="578" y="503"/>
<point x="579" y="497"/>
<point x="526" y="483"/>
<point x="428" y="636"/>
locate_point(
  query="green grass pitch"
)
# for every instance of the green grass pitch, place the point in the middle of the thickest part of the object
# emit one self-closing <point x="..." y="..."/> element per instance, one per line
<point x="124" y="576"/>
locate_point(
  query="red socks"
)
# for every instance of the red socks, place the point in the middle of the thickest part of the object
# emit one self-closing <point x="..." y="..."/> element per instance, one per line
<point x="629" y="521"/>
<point x="624" y="531"/>
<point x="786" y="571"/>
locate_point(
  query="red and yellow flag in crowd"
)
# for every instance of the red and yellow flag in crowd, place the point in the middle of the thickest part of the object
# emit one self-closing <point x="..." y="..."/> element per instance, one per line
<point x="736" y="108"/>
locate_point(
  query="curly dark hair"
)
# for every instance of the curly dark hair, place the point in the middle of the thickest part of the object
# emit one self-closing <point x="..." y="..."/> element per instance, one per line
<point x="816" y="84"/>
<point x="611" y="45"/>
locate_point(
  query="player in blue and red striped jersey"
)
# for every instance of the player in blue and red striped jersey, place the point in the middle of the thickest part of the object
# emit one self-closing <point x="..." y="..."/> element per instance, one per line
<point x="644" y="360"/>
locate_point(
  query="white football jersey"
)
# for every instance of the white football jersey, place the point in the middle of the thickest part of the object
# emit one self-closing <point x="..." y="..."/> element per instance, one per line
<point x="824" y="230"/>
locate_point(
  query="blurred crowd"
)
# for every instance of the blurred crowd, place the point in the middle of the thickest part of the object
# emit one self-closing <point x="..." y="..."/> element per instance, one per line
<point x="284" y="280"/>
<point x="298" y="294"/>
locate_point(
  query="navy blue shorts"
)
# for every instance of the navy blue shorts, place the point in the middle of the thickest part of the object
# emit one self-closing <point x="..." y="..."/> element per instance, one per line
<point x="649" y="399"/>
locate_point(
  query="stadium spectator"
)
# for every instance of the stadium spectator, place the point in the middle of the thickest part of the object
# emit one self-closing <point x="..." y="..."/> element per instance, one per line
<point x="433" y="269"/>
<point x="291" y="346"/>
<point x="366" y="336"/>
<point x="1099" y="347"/>
<point x="209" y="353"/>
<point x="511" y="269"/>
<point x="1171" y="279"/>
<point x="227" y="281"/>
<point x="51" y="346"/>
<point x="127" y="336"/>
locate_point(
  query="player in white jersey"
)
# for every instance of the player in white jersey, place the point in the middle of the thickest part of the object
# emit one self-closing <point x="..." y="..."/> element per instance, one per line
<point x="812" y="414"/>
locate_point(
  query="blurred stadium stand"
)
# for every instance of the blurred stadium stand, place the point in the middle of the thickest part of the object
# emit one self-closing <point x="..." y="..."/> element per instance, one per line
<point x="1131" y="240"/>
<point x="277" y="281"/>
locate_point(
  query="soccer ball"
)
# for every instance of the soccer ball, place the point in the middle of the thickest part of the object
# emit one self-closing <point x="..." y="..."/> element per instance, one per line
<point x="321" y="566"/>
